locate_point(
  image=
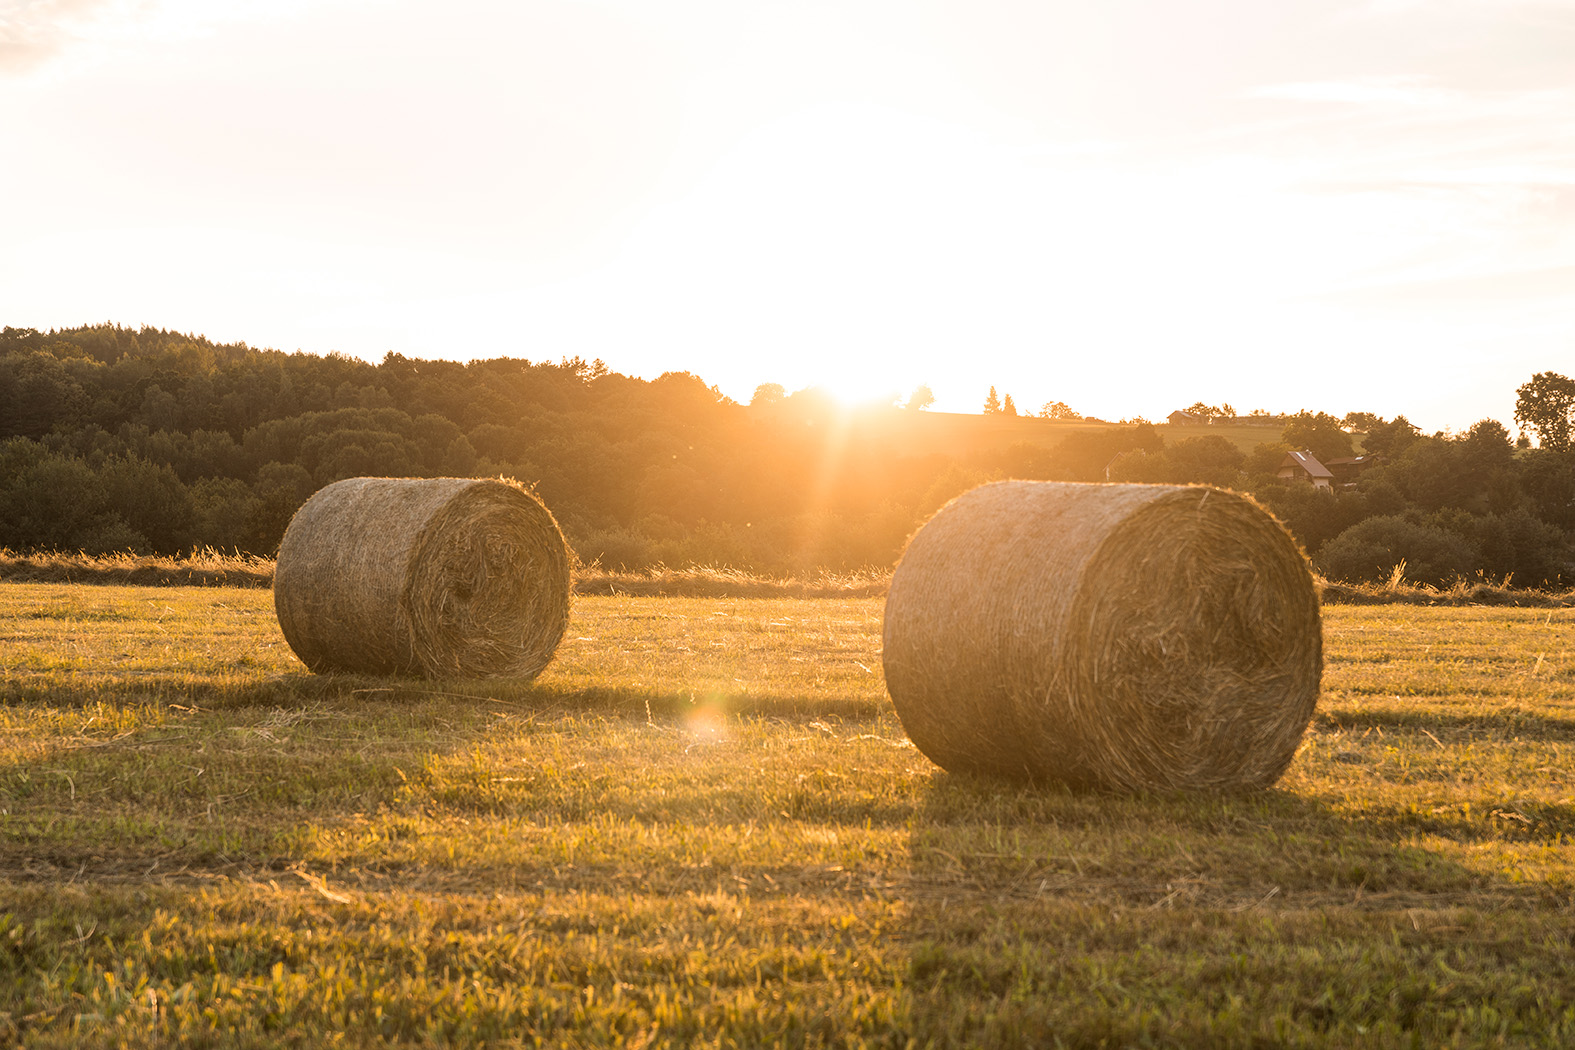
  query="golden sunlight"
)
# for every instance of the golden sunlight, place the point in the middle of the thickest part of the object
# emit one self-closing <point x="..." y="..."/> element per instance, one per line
<point x="866" y="387"/>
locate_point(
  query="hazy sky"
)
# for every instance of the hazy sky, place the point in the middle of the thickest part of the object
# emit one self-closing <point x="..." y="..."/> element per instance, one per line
<point x="1127" y="205"/>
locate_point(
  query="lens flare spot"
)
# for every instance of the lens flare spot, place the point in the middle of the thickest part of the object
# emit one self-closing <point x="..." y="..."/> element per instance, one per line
<point x="706" y="723"/>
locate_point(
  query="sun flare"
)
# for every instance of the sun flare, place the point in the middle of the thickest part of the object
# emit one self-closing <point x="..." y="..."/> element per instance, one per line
<point x="861" y="389"/>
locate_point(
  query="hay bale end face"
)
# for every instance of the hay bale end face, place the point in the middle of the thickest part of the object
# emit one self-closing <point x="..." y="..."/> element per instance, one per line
<point x="437" y="577"/>
<point x="1129" y="637"/>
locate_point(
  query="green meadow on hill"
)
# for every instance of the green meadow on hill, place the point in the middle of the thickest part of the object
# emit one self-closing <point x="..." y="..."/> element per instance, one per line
<point x="963" y="436"/>
<point x="703" y="825"/>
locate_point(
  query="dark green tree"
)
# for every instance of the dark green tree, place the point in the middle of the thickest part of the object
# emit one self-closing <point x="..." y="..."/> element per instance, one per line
<point x="1391" y="438"/>
<point x="1363" y="421"/>
<point x="1086" y="455"/>
<point x="1548" y="480"/>
<point x="47" y="500"/>
<point x="226" y="514"/>
<point x="37" y="394"/>
<point x="1316" y="516"/>
<point x="1266" y="457"/>
<point x="1487" y="460"/>
<point x="1210" y="460"/>
<point x="1547" y="406"/>
<point x="1521" y="549"/>
<point x="1371" y="550"/>
<point x="1319" y="433"/>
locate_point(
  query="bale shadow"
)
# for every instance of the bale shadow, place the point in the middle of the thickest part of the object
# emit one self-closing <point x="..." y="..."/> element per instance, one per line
<point x="1519" y="722"/>
<point x="1133" y="850"/>
<point x="1041" y="916"/>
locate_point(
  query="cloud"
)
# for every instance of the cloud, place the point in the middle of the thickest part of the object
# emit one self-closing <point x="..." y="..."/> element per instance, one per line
<point x="1418" y="131"/>
<point x="1388" y="90"/>
<point x="1458" y="8"/>
<point x="1552" y="285"/>
<point x="39" y="33"/>
<point x="34" y="31"/>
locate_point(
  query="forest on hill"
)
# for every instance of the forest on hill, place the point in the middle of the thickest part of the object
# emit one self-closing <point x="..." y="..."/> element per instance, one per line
<point x="154" y="441"/>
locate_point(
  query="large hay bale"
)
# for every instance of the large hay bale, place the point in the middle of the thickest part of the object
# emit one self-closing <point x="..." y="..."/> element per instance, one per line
<point x="441" y="577"/>
<point x="1135" y="637"/>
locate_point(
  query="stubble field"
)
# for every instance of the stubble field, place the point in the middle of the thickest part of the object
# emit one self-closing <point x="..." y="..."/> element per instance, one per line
<point x="704" y="826"/>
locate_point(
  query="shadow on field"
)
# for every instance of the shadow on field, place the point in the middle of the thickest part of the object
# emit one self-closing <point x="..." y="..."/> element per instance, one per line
<point x="244" y="771"/>
<point x="1085" y="919"/>
<point x="295" y="690"/>
<point x="1498" y="724"/>
<point x="977" y="837"/>
<point x="159" y="774"/>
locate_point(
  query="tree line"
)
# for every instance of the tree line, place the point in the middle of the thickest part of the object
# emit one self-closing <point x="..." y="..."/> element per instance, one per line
<point x="155" y="441"/>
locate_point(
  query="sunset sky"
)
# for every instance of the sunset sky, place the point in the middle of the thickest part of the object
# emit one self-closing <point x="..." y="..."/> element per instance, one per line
<point x="1128" y="205"/>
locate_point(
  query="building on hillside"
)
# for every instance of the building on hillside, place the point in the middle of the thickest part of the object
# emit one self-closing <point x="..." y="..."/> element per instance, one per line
<point x="1304" y="466"/>
<point x="1183" y="418"/>
<point x="1348" y="468"/>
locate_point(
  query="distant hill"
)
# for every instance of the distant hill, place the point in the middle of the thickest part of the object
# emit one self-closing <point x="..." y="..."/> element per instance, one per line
<point x="961" y="434"/>
<point x="1245" y="436"/>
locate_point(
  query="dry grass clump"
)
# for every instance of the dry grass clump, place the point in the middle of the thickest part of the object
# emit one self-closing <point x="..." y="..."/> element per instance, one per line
<point x="1397" y="590"/>
<point x="1137" y="637"/>
<point x="441" y="577"/>
<point x="203" y="567"/>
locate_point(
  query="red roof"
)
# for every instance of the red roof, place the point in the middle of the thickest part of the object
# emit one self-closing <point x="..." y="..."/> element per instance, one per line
<point x="1308" y="462"/>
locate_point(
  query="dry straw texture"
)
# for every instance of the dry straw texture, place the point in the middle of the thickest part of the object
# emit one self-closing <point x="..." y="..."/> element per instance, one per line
<point x="441" y="577"/>
<point x="1132" y="637"/>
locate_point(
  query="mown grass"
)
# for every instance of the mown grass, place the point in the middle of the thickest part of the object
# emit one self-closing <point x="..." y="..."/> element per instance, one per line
<point x="704" y="826"/>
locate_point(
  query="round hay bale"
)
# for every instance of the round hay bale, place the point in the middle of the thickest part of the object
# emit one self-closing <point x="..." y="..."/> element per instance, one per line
<point x="438" y="577"/>
<point x="1129" y="637"/>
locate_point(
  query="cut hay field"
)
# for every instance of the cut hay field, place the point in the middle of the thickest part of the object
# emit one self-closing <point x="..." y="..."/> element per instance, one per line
<point x="703" y="826"/>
